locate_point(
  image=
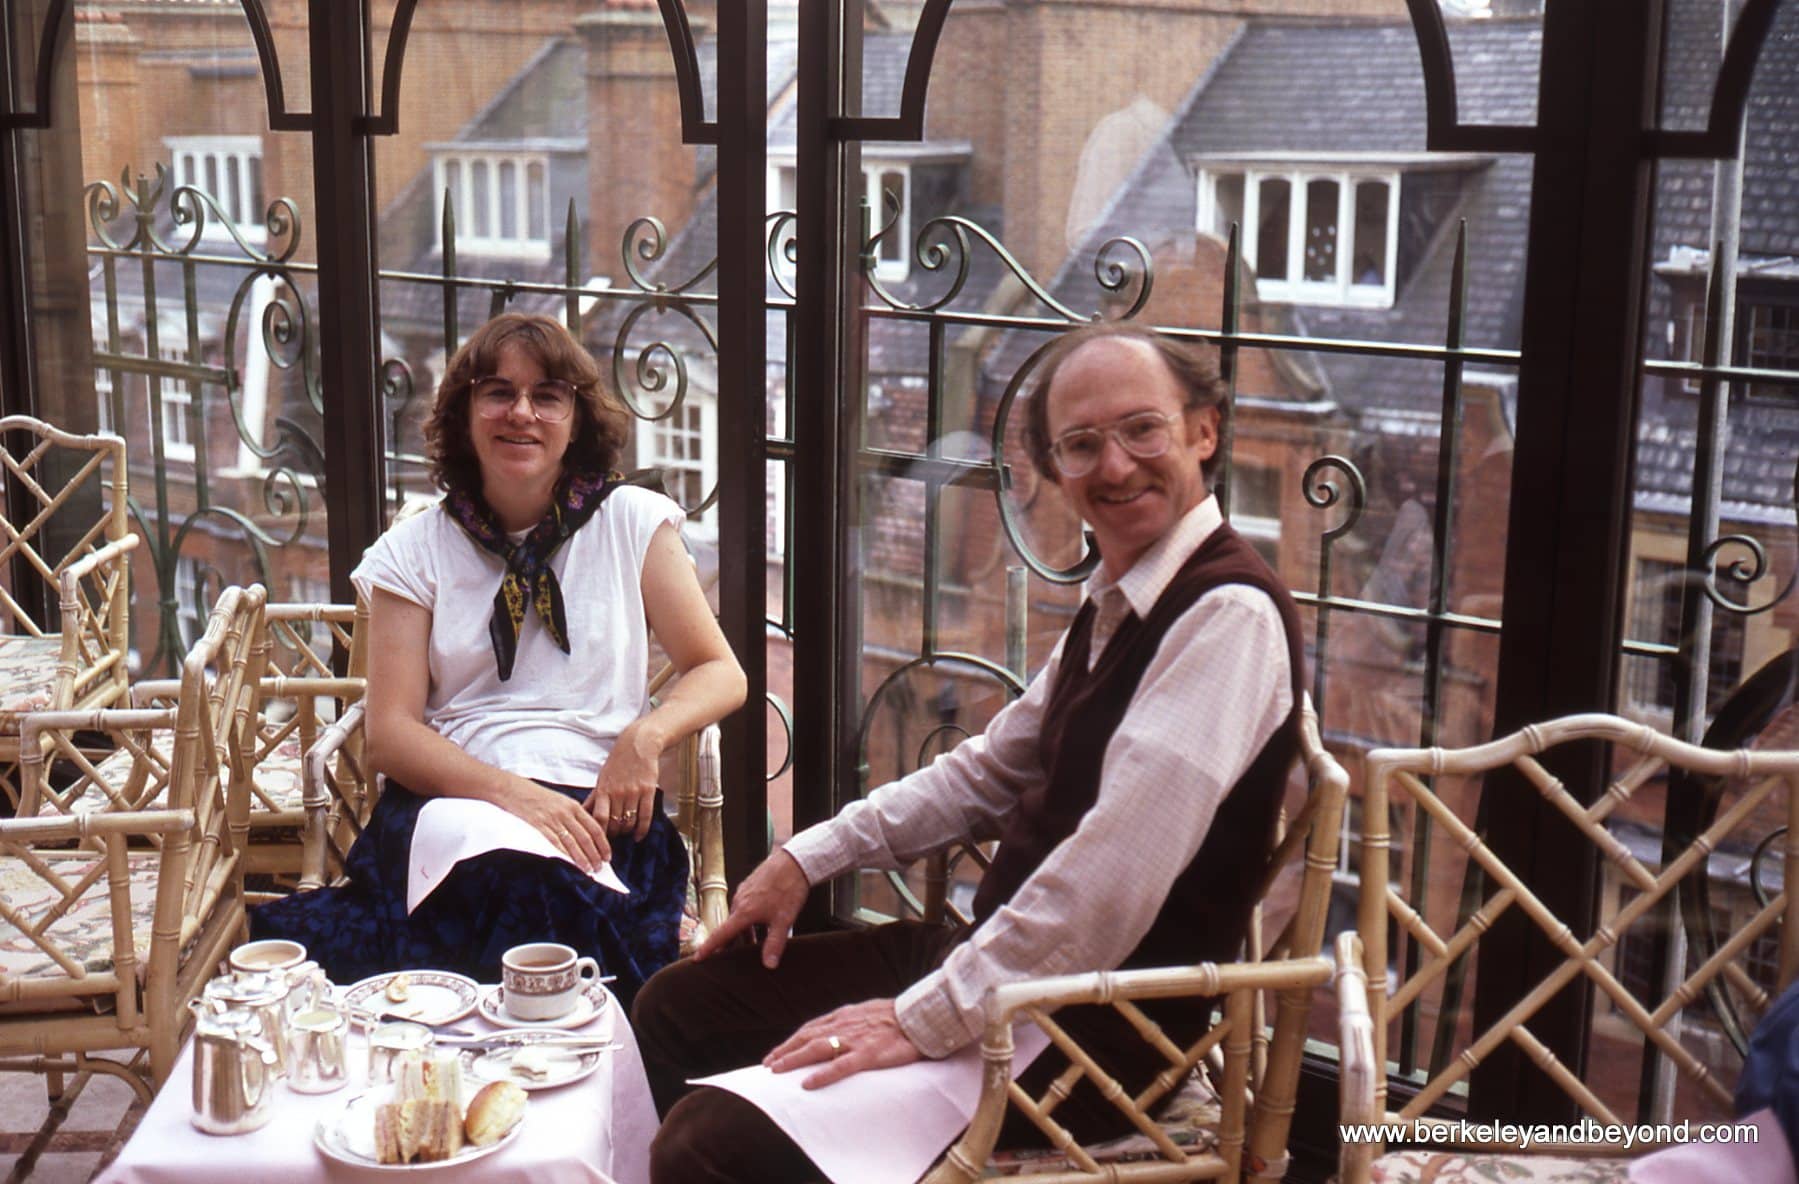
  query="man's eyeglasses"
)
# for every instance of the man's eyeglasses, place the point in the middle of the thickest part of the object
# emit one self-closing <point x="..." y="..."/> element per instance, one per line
<point x="552" y="401"/>
<point x="1145" y="435"/>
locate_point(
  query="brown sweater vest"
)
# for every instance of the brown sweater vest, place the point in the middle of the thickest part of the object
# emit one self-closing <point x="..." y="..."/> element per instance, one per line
<point x="1206" y="913"/>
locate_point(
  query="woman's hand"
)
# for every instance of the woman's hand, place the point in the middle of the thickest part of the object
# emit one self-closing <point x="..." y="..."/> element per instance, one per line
<point x="561" y="820"/>
<point x="625" y="797"/>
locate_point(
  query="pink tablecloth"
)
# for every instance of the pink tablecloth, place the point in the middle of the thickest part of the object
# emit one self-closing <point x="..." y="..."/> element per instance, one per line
<point x="596" y="1131"/>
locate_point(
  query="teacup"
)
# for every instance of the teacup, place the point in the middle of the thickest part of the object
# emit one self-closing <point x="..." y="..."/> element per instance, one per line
<point x="267" y="956"/>
<point x="544" y="980"/>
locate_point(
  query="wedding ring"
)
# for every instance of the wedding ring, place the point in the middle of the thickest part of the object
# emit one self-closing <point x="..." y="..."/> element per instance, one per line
<point x="836" y="1045"/>
<point x="629" y="815"/>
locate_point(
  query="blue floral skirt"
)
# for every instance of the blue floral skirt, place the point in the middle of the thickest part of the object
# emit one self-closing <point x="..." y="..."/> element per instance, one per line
<point x="487" y="905"/>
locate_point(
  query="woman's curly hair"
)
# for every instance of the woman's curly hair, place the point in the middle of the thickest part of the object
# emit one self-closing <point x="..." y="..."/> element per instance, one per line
<point x="602" y="424"/>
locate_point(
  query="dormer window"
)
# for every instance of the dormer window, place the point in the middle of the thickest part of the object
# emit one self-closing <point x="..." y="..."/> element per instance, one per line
<point x="229" y="170"/>
<point x="1311" y="235"/>
<point x="887" y="186"/>
<point x="501" y="202"/>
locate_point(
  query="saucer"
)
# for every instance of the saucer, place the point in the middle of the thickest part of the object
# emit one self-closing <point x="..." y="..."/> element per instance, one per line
<point x="434" y="997"/>
<point x="589" y="1006"/>
<point x="566" y="1065"/>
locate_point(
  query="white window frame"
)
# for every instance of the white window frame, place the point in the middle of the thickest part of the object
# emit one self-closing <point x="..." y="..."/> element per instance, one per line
<point x="1343" y="289"/>
<point x="189" y="622"/>
<point x="102" y="393"/>
<point x="491" y="239"/>
<point x="650" y="433"/>
<point x="188" y="156"/>
<point x="781" y="184"/>
<point x="177" y="398"/>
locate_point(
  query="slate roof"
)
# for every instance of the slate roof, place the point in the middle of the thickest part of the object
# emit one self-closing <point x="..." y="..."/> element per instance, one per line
<point x="1764" y="434"/>
<point x="1363" y="93"/>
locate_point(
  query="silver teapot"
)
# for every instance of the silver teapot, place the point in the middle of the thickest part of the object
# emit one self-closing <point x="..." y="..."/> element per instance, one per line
<point x="264" y="996"/>
<point x="234" y="1071"/>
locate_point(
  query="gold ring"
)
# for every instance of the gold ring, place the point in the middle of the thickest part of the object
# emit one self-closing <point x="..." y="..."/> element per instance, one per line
<point x="629" y="814"/>
<point x="836" y="1045"/>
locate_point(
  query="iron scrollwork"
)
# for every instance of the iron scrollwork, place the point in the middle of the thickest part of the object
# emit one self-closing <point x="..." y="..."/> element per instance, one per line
<point x="285" y="470"/>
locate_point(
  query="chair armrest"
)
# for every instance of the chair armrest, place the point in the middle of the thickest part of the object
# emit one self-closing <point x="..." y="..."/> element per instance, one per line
<point x="42" y="731"/>
<point x="155" y="692"/>
<point x="91" y="670"/>
<point x="56" y="828"/>
<point x="317" y="794"/>
<point x="1357" y="1100"/>
<point x="709" y="836"/>
<point x="87" y="565"/>
<point x="1033" y="998"/>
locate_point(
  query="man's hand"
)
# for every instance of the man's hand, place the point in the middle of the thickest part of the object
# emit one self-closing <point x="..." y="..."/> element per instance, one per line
<point x="771" y="895"/>
<point x="852" y="1038"/>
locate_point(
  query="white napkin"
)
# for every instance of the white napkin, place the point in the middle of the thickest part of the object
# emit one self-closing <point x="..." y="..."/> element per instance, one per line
<point x="450" y="830"/>
<point x="848" y="1128"/>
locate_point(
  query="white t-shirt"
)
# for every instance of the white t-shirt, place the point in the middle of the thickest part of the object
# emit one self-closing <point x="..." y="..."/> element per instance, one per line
<point x="556" y="718"/>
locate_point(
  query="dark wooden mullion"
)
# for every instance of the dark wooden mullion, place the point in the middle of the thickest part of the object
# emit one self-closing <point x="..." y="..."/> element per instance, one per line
<point x="742" y="415"/>
<point x="827" y="630"/>
<point x="1568" y="527"/>
<point x="348" y="311"/>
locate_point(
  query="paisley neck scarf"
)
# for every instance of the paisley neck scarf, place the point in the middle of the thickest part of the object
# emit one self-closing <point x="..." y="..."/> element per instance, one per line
<point x="528" y="578"/>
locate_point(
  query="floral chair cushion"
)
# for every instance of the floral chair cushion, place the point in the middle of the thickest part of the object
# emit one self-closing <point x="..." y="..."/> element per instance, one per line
<point x="1421" y="1166"/>
<point x="1190" y="1120"/>
<point x="27" y="677"/>
<point x="84" y="931"/>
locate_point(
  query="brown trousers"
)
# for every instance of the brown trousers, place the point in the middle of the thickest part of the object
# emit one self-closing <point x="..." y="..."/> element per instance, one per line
<point x="694" y="1019"/>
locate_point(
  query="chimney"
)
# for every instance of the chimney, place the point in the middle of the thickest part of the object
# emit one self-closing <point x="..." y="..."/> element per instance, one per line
<point x="637" y="165"/>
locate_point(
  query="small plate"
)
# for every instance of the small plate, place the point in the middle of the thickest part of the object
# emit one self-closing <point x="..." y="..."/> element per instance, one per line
<point x="436" y="996"/>
<point x="569" y="1064"/>
<point x="349" y="1138"/>
<point x="589" y="1006"/>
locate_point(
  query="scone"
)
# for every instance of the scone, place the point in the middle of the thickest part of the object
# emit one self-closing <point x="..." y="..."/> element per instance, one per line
<point x="493" y="1111"/>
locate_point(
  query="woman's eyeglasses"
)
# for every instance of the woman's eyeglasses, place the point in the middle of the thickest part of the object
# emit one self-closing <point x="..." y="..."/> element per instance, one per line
<point x="1145" y="435"/>
<point x="552" y="401"/>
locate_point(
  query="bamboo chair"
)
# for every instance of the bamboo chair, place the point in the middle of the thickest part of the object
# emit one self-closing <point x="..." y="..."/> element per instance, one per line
<point x="340" y="792"/>
<point x="78" y="541"/>
<point x="1254" y="1075"/>
<point x="296" y="696"/>
<point x="1765" y="783"/>
<point x="114" y="919"/>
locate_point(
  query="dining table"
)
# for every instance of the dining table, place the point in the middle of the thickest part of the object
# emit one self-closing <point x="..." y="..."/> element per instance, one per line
<point x="593" y="1131"/>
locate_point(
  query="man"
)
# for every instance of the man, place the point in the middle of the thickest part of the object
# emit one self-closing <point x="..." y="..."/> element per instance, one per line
<point x="1133" y="788"/>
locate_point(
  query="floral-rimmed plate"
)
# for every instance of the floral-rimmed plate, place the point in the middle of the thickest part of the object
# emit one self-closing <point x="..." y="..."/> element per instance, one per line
<point x="432" y="997"/>
<point x="565" y="1065"/>
<point x="349" y="1138"/>
<point x="590" y="1005"/>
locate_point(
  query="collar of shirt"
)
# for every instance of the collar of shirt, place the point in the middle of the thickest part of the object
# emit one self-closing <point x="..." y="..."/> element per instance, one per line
<point x="1140" y="587"/>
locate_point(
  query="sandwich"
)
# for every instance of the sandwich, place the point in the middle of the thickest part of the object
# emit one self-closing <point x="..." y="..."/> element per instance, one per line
<point x="423" y="1124"/>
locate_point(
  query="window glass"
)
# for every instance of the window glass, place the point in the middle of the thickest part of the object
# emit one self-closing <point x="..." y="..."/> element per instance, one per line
<point x="1271" y="238"/>
<point x="1321" y="231"/>
<point x="1369" y="263"/>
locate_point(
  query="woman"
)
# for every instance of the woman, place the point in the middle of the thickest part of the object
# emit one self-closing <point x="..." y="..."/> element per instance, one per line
<point x="507" y="660"/>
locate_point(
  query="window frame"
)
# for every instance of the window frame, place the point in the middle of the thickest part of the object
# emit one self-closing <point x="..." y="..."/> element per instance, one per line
<point x="649" y="433"/>
<point x="1343" y="291"/>
<point x="246" y="213"/>
<point x="474" y="240"/>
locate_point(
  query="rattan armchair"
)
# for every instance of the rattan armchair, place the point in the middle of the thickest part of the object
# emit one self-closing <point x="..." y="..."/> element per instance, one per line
<point x="1253" y="1072"/>
<point x="76" y="541"/>
<point x="112" y="919"/>
<point x="1756" y="810"/>
<point x="341" y="791"/>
